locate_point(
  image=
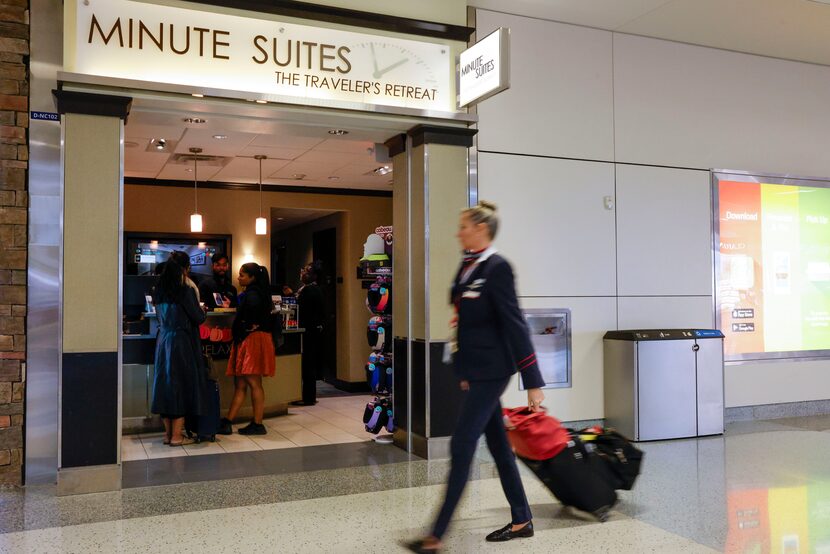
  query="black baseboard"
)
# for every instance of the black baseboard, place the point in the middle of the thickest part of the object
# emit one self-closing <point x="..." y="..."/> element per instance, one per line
<point x="348" y="386"/>
<point x="89" y="409"/>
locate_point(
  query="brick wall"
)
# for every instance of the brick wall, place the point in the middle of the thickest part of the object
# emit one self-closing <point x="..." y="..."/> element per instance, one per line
<point x="14" y="201"/>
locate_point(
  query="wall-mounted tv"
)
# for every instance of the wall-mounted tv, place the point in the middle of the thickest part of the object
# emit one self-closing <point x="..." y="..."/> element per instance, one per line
<point x="144" y="251"/>
<point x="772" y="265"/>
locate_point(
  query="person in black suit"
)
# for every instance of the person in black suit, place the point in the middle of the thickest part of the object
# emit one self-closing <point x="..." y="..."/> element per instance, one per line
<point x="492" y="343"/>
<point x="312" y="316"/>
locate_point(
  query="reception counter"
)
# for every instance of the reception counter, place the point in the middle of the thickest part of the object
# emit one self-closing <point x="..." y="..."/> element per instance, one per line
<point x="138" y="371"/>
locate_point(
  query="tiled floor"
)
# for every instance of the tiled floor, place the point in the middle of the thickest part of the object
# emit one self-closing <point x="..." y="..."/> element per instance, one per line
<point x="334" y="420"/>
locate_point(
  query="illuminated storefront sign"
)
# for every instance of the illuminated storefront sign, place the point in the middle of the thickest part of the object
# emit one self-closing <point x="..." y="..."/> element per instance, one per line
<point x="484" y="68"/>
<point x="286" y="61"/>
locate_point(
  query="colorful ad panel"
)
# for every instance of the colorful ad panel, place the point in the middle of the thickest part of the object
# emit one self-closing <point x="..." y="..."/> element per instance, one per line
<point x="773" y="270"/>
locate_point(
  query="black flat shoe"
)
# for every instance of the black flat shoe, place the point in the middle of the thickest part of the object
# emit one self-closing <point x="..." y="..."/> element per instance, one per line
<point x="418" y="547"/>
<point x="225" y="427"/>
<point x="301" y="403"/>
<point x="505" y="534"/>
<point x="253" y="429"/>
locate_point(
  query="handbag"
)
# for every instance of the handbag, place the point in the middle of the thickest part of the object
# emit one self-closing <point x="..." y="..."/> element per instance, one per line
<point x="534" y="435"/>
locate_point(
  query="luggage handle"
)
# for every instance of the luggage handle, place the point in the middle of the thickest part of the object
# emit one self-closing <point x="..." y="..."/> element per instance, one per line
<point x="514" y="417"/>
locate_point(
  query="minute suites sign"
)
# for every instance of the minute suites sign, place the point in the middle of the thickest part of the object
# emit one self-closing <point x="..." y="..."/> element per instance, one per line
<point x="287" y="62"/>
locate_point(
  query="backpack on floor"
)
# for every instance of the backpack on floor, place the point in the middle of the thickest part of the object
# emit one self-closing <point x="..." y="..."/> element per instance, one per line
<point x="618" y="453"/>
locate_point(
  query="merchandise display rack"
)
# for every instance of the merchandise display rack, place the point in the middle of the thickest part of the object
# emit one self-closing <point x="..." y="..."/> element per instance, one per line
<point x="375" y="271"/>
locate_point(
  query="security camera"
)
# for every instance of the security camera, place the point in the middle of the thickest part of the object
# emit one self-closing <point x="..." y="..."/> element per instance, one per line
<point x="160" y="144"/>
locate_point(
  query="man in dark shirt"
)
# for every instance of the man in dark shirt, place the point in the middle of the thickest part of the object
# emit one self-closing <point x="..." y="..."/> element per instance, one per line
<point x="218" y="284"/>
<point x="312" y="315"/>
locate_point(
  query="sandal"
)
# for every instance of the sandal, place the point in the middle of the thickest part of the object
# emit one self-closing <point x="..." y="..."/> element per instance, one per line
<point x="184" y="442"/>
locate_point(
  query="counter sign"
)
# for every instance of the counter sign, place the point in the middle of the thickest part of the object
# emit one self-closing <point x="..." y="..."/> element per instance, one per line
<point x="484" y="68"/>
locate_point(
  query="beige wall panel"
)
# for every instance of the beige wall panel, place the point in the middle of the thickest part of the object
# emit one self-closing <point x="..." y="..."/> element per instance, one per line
<point x="448" y="195"/>
<point x="590" y="319"/>
<point x="167" y="210"/>
<point x="776" y="382"/>
<point x="419" y="254"/>
<point x="690" y="106"/>
<point x="664" y="231"/>
<point x="554" y="224"/>
<point x="92" y="188"/>
<point x="673" y="312"/>
<point x="560" y="101"/>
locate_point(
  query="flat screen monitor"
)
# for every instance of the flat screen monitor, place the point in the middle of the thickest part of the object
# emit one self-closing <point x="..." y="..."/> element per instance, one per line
<point x="772" y="266"/>
<point x="145" y="251"/>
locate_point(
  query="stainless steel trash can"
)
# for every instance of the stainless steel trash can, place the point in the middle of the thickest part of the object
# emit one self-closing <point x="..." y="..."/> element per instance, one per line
<point x="664" y="383"/>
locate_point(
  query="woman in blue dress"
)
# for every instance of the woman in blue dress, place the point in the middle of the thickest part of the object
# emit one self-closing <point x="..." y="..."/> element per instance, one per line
<point x="180" y="376"/>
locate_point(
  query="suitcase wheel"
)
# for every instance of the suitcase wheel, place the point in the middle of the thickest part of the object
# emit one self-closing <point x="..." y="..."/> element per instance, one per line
<point x="213" y="438"/>
<point x="603" y="514"/>
<point x="197" y="439"/>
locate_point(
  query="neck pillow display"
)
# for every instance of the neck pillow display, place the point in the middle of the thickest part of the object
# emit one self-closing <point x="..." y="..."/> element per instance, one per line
<point x="379" y="333"/>
<point x="379" y="297"/>
<point x="377" y="415"/>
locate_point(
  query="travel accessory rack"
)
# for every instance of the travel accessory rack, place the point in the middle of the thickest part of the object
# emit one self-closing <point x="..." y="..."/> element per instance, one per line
<point x="375" y="271"/>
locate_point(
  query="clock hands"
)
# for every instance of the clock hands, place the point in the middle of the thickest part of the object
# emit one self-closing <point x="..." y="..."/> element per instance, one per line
<point x="374" y="58"/>
<point x="381" y="72"/>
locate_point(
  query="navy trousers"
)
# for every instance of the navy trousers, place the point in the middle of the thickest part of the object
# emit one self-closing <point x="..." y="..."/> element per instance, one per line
<point x="481" y="413"/>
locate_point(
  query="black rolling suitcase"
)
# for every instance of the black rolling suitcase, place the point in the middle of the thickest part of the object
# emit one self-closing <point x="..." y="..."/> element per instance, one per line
<point x="577" y="477"/>
<point x="204" y="427"/>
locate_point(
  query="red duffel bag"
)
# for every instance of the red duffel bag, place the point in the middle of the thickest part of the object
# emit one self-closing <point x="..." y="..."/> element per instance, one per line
<point x="534" y="435"/>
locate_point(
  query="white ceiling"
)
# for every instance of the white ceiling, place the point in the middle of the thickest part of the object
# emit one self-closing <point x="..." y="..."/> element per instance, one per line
<point x="297" y="154"/>
<point x="788" y="29"/>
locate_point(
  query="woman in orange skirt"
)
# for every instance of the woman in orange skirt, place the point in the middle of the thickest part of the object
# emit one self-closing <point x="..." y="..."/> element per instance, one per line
<point x="252" y="355"/>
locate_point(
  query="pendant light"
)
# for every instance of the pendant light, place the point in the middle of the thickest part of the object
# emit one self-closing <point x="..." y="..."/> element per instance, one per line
<point x="261" y="224"/>
<point x="195" y="217"/>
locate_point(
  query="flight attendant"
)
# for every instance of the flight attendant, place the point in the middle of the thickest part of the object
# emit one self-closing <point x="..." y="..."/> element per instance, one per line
<point x="492" y="343"/>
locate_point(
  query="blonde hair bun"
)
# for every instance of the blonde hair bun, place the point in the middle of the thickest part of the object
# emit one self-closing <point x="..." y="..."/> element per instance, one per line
<point x="488" y="205"/>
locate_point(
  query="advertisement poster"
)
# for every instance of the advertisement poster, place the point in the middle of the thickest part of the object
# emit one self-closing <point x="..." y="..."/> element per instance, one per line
<point x="773" y="270"/>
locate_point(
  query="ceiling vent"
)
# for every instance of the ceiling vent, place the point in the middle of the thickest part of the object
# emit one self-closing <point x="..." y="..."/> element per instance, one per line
<point x="203" y="159"/>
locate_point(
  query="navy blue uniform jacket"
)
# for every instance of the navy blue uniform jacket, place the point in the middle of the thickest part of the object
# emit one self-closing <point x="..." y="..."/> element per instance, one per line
<point x="493" y="337"/>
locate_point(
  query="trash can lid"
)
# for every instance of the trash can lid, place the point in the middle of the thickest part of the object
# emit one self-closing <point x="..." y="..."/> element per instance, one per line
<point x="663" y="334"/>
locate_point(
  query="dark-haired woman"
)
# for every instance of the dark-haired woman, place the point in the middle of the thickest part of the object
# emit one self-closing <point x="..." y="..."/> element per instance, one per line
<point x="179" y="374"/>
<point x="252" y="355"/>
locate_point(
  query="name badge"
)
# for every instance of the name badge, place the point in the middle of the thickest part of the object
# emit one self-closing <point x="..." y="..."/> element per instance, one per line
<point x="470" y="294"/>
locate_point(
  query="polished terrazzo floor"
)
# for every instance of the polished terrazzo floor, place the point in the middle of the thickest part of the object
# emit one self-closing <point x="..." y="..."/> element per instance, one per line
<point x="764" y="487"/>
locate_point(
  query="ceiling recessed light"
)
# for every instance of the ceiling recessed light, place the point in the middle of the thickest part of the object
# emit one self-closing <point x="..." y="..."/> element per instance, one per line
<point x="383" y="170"/>
<point x="298" y="176"/>
<point x="189" y="169"/>
<point x="261" y="101"/>
<point x="280" y="219"/>
<point x="334" y="178"/>
<point x="220" y="137"/>
<point x="159" y="143"/>
<point x="197" y="120"/>
<point x="338" y="132"/>
<point x="197" y="95"/>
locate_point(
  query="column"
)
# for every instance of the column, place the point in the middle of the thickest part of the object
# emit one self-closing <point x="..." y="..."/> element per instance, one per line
<point x="430" y="190"/>
<point x="90" y="376"/>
